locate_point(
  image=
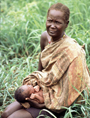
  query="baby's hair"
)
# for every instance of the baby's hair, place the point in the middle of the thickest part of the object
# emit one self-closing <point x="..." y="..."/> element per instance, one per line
<point x="61" y="7"/>
<point x="20" y="95"/>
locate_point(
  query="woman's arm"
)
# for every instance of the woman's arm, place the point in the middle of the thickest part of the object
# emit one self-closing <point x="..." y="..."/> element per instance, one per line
<point x="40" y="68"/>
<point x="43" y="43"/>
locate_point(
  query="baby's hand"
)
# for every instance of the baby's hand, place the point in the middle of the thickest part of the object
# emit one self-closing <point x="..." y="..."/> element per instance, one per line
<point x="37" y="88"/>
<point x="32" y="96"/>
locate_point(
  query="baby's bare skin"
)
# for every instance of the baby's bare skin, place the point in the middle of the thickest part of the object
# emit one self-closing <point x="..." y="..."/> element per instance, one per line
<point x="38" y="97"/>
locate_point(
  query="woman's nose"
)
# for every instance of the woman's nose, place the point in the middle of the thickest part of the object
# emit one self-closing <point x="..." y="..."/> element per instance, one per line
<point x="52" y="25"/>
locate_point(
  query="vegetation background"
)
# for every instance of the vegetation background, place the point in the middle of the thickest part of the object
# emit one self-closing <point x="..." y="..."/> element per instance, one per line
<point x="21" y="24"/>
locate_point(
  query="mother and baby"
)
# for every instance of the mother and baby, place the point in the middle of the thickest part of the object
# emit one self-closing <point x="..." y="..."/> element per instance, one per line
<point x="62" y="74"/>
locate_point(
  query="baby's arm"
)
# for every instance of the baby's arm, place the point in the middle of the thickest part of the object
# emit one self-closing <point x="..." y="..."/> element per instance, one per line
<point x="39" y="98"/>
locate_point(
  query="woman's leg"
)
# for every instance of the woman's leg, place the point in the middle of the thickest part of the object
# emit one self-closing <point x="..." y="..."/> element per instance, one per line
<point x="22" y="113"/>
<point x="10" y="109"/>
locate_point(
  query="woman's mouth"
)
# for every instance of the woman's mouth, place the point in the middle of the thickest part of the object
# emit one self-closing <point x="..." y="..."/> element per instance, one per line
<point x="52" y="31"/>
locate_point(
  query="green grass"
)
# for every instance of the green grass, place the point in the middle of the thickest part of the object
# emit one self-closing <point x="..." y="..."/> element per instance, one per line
<point x="21" y="24"/>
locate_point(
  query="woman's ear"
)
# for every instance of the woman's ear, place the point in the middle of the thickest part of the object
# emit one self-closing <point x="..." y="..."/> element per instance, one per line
<point x="67" y="22"/>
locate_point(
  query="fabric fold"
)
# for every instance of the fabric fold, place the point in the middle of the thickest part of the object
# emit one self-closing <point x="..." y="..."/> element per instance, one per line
<point x="64" y="75"/>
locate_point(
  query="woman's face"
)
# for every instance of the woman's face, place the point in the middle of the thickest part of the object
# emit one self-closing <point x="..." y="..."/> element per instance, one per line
<point x="56" y="24"/>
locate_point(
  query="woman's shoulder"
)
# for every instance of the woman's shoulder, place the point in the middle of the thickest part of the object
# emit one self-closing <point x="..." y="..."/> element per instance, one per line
<point x="45" y="36"/>
<point x="44" y="39"/>
<point x="74" y="46"/>
<point x="71" y="41"/>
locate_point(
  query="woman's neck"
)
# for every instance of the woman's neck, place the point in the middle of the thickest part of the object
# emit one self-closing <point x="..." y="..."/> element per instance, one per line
<point x="54" y="39"/>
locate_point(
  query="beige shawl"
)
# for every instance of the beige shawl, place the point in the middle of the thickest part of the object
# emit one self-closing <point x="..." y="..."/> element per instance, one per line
<point x="64" y="76"/>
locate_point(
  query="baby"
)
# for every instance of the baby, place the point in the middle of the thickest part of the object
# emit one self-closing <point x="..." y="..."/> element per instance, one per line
<point x="25" y="92"/>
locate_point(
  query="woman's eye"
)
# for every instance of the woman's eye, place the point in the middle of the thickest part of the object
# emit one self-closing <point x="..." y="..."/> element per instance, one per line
<point x="49" y="21"/>
<point x="57" y="22"/>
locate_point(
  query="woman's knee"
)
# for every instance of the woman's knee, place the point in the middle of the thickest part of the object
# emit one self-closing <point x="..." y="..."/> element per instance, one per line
<point x="12" y="116"/>
<point x="11" y="109"/>
<point x="22" y="113"/>
<point x="4" y="114"/>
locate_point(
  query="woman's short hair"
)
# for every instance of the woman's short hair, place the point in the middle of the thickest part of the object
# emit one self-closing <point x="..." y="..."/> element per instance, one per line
<point x="61" y="7"/>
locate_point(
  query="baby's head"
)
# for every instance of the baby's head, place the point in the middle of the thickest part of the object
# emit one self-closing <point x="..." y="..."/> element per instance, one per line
<point x="61" y="7"/>
<point x="23" y="92"/>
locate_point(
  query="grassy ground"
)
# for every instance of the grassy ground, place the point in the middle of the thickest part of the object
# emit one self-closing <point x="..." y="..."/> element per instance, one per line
<point x="21" y="23"/>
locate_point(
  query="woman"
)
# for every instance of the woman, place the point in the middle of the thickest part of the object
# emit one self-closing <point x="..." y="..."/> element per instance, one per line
<point x="62" y="70"/>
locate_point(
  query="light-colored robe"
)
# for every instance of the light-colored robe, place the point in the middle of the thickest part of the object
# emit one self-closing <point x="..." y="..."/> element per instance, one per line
<point x="64" y="76"/>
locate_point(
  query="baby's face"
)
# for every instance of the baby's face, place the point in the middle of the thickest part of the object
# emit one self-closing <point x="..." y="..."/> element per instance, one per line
<point x="29" y="89"/>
